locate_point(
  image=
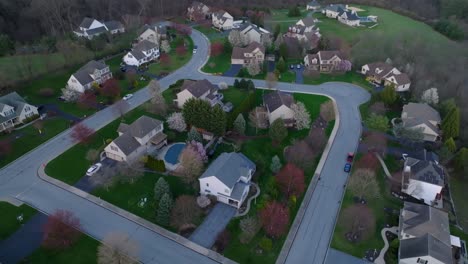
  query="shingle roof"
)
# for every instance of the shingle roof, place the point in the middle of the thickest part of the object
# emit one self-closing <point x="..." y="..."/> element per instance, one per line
<point x="83" y="75"/>
<point x="426" y="171"/>
<point x="238" y="52"/>
<point x="14" y="100"/>
<point x="426" y="245"/>
<point x="335" y="7"/>
<point x="247" y="27"/>
<point x="313" y="3"/>
<point x="127" y="143"/>
<point x="379" y="69"/>
<point x="328" y="54"/>
<point x="229" y="167"/>
<point x="310" y="58"/>
<point x="138" y="129"/>
<point x="198" y="88"/>
<point x="113" y="24"/>
<point x="95" y="31"/>
<point x="276" y="99"/>
<point x="420" y="113"/>
<point x="350" y="15"/>
<point x="86" y="23"/>
<point x="308" y="21"/>
<point x="401" y="78"/>
<point x="143" y="45"/>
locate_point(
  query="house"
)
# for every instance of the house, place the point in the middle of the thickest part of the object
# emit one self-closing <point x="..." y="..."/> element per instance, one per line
<point x="423" y="180"/>
<point x="228" y="178"/>
<point x="385" y="74"/>
<point x="424" y="117"/>
<point x="93" y="72"/>
<point x="136" y="139"/>
<point x="349" y="17"/>
<point x="424" y="235"/>
<point x="14" y="110"/>
<point x="202" y="89"/>
<point x="313" y="5"/>
<point x="222" y="20"/>
<point x="254" y="33"/>
<point x="197" y="11"/>
<point x="278" y="105"/>
<point x="143" y="52"/>
<point x="152" y="33"/>
<point x="333" y="10"/>
<point x="324" y="61"/>
<point x="90" y="28"/>
<point x="306" y="32"/>
<point x="253" y="53"/>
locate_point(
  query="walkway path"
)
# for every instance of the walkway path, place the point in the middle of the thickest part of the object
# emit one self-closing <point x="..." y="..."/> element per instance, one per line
<point x="384" y="166"/>
<point x="249" y="201"/>
<point x="380" y="259"/>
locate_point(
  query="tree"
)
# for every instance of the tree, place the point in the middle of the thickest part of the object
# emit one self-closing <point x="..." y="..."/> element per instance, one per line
<point x="199" y="149"/>
<point x="227" y="47"/>
<point x="253" y="68"/>
<point x="450" y="144"/>
<point x="368" y="161"/>
<point x="222" y="240"/>
<point x="217" y="121"/>
<point x="239" y="124"/>
<point x="250" y="227"/>
<point x="61" y="230"/>
<point x="461" y="159"/>
<point x="237" y="39"/>
<point x="121" y="107"/>
<point x="283" y="50"/>
<point x="6" y="45"/>
<point x="223" y="85"/>
<point x="92" y="155"/>
<point x="165" y="47"/>
<point x="118" y="248"/>
<point x="105" y="178"/>
<point x="294" y="11"/>
<point x="277" y="30"/>
<point x="197" y="112"/>
<point x="275" y="219"/>
<point x="451" y="123"/>
<point x="344" y="66"/>
<point x="111" y="89"/>
<point x="181" y="50"/>
<point x="271" y="80"/>
<point x="157" y="102"/>
<point x="191" y="165"/>
<point x="377" y="122"/>
<point x="290" y="180"/>
<point x="164" y="210"/>
<point x="161" y="187"/>
<point x="376" y="141"/>
<point x="316" y="139"/>
<point x="46" y="92"/>
<point x="281" y="65"/>
<point x="278" y="131"/>
<point x="87" y="100"/>
<point x="5" y="147"/>
<point x="430" y="96"/>
<point x="165" y="60"/>
<point x="185" y="211"/>
<point x="279" y="40"/>
<point x="358" y="222"/>
<point x="81" y="133"/>
<point x="301" y="116"/>
<point x="194" y="135"/>
<point x="363" y="182"/>
<point x="129" y="172"/>
<point x="300" y="154"/>
<point x="378" y="108"/>
<point x="446" y="106"/>
<point x="388" y="95"/>
<point x="176" y="122"/>
<point x="327" y="111"/>
<point x="275" y="165"/>
<point x="70" y="95"/>
<point x="216" y="49"/>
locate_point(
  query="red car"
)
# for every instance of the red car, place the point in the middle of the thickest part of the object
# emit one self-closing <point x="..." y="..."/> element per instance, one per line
<point x="350" y="157"/>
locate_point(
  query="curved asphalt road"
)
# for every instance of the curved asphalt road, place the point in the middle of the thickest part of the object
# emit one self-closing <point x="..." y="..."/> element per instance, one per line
<point x="19" y="178"/>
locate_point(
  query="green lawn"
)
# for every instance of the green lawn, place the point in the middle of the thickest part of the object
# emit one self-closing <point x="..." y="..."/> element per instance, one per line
<point x="349" y="77"/>
<point x="30" y="138"/>
<point x="458" y="187"/>
<point x="233" y="95"/>
<point x="84" y="251"/>
<point x="176" y="61"/>
<point x="8" y="222"/>
<point x="287" y="76"/>
<point x="209" y="32"/>
<point x="218" y="64"/>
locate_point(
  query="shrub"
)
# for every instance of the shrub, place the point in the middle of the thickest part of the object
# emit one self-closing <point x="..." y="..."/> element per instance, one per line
<point x="155" y="164"/>
<point x="265" y="244"/>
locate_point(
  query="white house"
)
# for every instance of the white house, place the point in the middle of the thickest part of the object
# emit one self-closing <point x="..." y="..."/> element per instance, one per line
<point x="14" y="110"/>
<point x="197" y="11"/>
<point x="424" y="234"/>
<point x="152" y="33"/>
<point x="222" y="20"/>
<point x="333" y="10"/>
<point x="90" y="28"/>
<point x="349" y="17"/>
<point x="92" y="72"/>
<point x="278" y="105"/>
<point x="136" y="139"/>
<point x="228" y="178"/>
<point x="385" y="74"/>
<point x="324" y="61"/>
<point x="253" y="53"/>
<point x="143" y="52"/>
<point x="423" y="117"/>
<point x="305" y="31"/>
<point x="202" y="89"/>
<point x="313" y="5"/>
<point x="254" y="33"/>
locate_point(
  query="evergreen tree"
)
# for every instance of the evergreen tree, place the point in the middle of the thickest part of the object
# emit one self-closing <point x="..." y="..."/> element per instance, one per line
<point x="450" y="144"/>
<point x="388" y="95"/>
<point x="278" y="131"/>
<point x="217" y="121"/>
<point x="163" y="214"/>
<point x="451" y="123"/>
<point x="275" y="164"/>
<point x="281" y="65"/>
<point x="227" y="46"/>
<point x="194" y="135"/>
<point x="237" y="84"/>
<point x="239" y="124"/>
<point x="277" y="30"/>
<point x="160" y="188"/>
<point x="283" y="50"/>
<point x="195" y="112"/>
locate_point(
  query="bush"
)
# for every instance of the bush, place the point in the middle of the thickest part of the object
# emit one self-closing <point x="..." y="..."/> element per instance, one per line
<point x="46" y="92"/>
<point x="266" y="244"/>
<point x="119" y="75"/>
<point x="244" y="107"/>
<point x="155" y="164"/>
<point x="450" y="29"/>
<point x="171" y="136"/>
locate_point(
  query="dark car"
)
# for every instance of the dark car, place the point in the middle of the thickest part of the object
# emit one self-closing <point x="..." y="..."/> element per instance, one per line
<point x="291" y="66"/>
<point x="350" y="157"/>
<point x="347" y="167"/>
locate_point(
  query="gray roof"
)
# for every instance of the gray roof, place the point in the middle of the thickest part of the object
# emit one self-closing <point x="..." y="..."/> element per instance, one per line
<point x="335" y="7"/>
<point x="14" y="100"/>
<point x="426" y="171"/>
<point x="426" y="245"/>
<point x="113" y="24"/>
<point x="276" y="99"/>
<point x="247" y="27"/>
<point x="313" y="3"/>
<point x="239" y="53"/>
<point x="83" y="75"/>
<point x="328" y="54"/>
<point x="86" y="23"/>
<point x="138" y="129"/>
<point x="238" y="190"/>
<point x="143" y="45"/>
<point x="308" y="21"/>
<point x="350" y="15"/>
<point x="127" y="143"/>
<point x="379" y="69"/>
<point x="229" y="167"/>
<point x="96" y="31"/>
<point x="420" y="113"/>
<point x="198" y="88"/>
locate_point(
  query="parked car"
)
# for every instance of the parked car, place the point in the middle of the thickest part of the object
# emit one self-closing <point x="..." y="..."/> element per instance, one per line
<point x="127" y="97"/>
<point x="350" y="157"/>
<point x="195" y="49"/>
<point x="227" y="107"/>
<point x="347" y="167"/>
<point x="298" y="66"/>
<point x="93" y="169"/>
<point x="291" y="66"/>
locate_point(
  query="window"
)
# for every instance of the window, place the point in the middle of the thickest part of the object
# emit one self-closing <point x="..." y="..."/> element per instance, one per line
<point x="207" y="191"/>
<point x="27" y="108"/>
<point x="114" y="148"/>
<point x="207" y="185"/>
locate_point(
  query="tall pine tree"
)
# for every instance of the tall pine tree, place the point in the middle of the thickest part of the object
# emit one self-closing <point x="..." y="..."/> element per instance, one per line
<point x="163" y="214"/>
<point x="218" y="121"/>
<point x="451" y="124"/>
<point x="160" y="188"/>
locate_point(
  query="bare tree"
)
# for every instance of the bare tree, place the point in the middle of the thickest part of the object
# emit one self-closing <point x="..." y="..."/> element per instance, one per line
<point x="363" y="182"/>
<point x="157" y="104"/>
<point x="191" y="164"/>
<point x="129" y="172"/>
<point x="185" y="211"/>
<point x="105" y="178"/>
<point x="121" y="107"/>
<point x="300" y="154"/>
<point x="118" y="248"/>
<point x="271" y="80"/>
<point x="92" y="155"/>
<point x="327" y="111"/>
<point x="358" y="221"/>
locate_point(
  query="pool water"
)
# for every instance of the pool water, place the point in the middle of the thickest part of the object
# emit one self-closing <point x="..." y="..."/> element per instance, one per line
<point x="172" y="154"/>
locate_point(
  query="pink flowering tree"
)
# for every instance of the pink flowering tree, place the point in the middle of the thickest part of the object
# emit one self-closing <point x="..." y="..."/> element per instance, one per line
<point x="345" y="65"/>
<point x="198" y="148"/>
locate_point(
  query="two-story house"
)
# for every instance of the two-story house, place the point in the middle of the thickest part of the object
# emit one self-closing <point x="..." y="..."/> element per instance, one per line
<point x="254" y="33"/>
<point x="198" y="11"/>
<point x="92" y="72"/>
<point x="90" y="28"/>
<point x="153" y="33"/>
<point x="313" y="5"/>
<point x="136" y="139"/>
<point x="278" y="105"/>
<point x="306" y="32"/>
<point x="324" y="61"/>
<point x="385" y="74"/>
<point x="143" y="52"/>
<point x="228" y="178"/>
<point x="349" y="17"/>
<point x="222" y="20"/>
<point x="333" y="10"/>
<point x="14" y="110"/>
<point x="253" y="53"/>
<point x="423" y="117"/>
<point x="202" y="89"/>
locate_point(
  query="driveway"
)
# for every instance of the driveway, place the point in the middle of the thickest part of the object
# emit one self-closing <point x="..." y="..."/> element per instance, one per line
<point x="299" y="74"/>
<point x="271" y="66"/>
<point x="216" y="221"/>
<point x="233" y="71"/>
<point x="334" y="256"/>
<point x="54" y="108"/>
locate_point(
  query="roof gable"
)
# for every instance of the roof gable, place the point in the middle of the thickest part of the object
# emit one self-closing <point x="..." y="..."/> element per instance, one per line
<point x="275" y="100"/>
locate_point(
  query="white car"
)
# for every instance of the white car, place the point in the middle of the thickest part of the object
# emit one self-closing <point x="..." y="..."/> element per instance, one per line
<point x="93" y="169"/>
<point x="127" y="97"/>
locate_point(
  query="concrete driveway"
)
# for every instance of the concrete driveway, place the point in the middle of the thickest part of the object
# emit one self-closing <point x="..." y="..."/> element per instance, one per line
<point x="233" y="71"/>
<point x="216" y="221"/>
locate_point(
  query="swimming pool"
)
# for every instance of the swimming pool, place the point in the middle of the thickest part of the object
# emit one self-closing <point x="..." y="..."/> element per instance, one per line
<point x="172" y="154"/>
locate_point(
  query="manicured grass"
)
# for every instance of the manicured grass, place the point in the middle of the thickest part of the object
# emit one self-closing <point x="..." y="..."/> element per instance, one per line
<point x="29" y="138"/>
<point x="84" y="251"/>
<point x="218" y="64"/>
<point x="233" y="95"/>
<point x="8" y="221"/>
<point x="349" y="77"/>
<point x="176" y="61"/>
<point x="282" y="14"/>
<point x="210" y="32"/>
<point x="287" y="76"/>
<point x="458" y="187"/>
